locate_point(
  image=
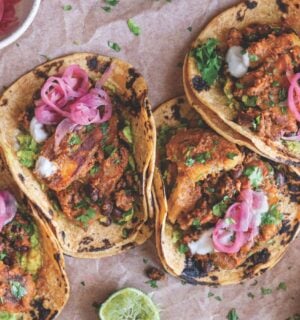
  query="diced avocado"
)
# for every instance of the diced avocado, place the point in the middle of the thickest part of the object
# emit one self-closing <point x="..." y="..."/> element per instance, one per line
<point x="9" y="316"/>
<point x="28" y="150"/>
<point x="128" y="134"/>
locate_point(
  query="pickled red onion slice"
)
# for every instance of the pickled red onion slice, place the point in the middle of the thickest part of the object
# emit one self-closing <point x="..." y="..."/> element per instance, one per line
<point x="8" y="208"/>
<point x="241" y="222"/>
<point x="294" y="96"/>
<point x="292" y="138"/>
<point x="77" y="81"/>
<point x="1" y="9"/>
<point x="62" y="129"/>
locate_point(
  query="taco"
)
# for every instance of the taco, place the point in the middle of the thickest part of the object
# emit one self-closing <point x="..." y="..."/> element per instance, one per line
<point x="79" y="138"/>
<point x="223" y="213"/>
<point x="244" y="68"/>
<point x="33" y="283"/>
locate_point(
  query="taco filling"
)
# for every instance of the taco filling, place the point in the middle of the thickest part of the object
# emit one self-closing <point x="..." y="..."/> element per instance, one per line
<point x="258" y="70"/>
<point x="77" y="141"/>
<point x="20" y="257"/>
<point x="222" y="202"/>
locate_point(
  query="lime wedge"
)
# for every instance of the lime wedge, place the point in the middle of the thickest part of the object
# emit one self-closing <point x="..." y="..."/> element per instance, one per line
<point x="128" y="304"/>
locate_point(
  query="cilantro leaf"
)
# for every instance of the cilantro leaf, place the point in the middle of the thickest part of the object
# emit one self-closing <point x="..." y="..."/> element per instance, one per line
<point x="254" y="175"/>
<point x="208" y="60"/>
<point x="17" y="290"/>
<point x="273" y="216"/>
<point x="67" y="7"/>
<point x="74" y="140"/>
<point x="265" y="291"/>
<point x="152" y="283"/>
<point x="111" y="2"/>
<point x="85" y="218"/>
<point x="220" y="208"/>
<point x="232" y="315"/>
<point x="114" y="46"/>
<point x="231" y="155"/>
<point x="133" y="27"/>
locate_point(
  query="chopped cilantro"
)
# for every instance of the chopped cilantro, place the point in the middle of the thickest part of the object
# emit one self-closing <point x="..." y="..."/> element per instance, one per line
<point x="249" y="101"/>
<point x="106" y="8"/>
<point x="85" y="218"/>
<point x="104" y="127"/>
<point x="189" y="161"/>
<point x="67" y="7"/>
<point x="232" y="315"/>
<point x="220" y="208"/>
<point x="210" y="294"/>
<point x="254" y="175"/>
<point x="265" y="291"/>
<point x="176" y="236"/>
<point x="89" y="128"/>
<point x="2" y="255"/>
<point x="231" y="155"/>
<point x="128" y="134"/>
<point x="74" y="139"/>
<point x="152" y="283"/>
<point x="239" y="85"/>
<point x="125" y="233"/>
<point x="196" y="223"/>
<point x="256" y="122"/>
<point x="203" y="157"/>
<point x="218" y="298"/>
<point x="114" y="46"/>
<point x="133" y="27"/>
<point x="230" y="221"/>
<point x="282" y="286"/>
<point x="17" y="290"/>
<point x="253" y="57"/>
<point x="183" y="248"/>
<point x="95" y="169"/>
<point x="83" y="204"/>
<point x="111" y="2"/>
<point x="282" y="94"/>
<point x="275" y="84"/>
<point x="273" y="216"/>
<point x="109" y="150"/>
<point x="208" y="60"/>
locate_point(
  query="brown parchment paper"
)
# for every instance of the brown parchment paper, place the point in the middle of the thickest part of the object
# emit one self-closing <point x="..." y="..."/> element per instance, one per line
<point x="157" y="53"/>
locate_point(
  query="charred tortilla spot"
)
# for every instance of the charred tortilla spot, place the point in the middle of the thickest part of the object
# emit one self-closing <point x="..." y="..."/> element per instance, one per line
<point x="40" y="74"/>
<point x="132" y="76"/>
<point x="195" y="268"/>
<point x="240" y="15"/>
<point x="148" y="108"/>
<point x="285" y="228"/>
<point x="180" y="101"/>
<point x="259" y="257"/>
<point x="199" y="84"/>
<point x="127" y="246"/>
<point x="92" y="63"/>
<point x="51" y="212"/>
<point x="263" y="270"/>
<point x="102" y="67"/>
<point x="176" y="112"/>
<point x="106" y="242"/>
<point x="4" y="102"/>
<point x="41" y="312"/>
<point x="283" y="7"/>
<point x="251" y="4"/>
<point x="214" y="278"/>
<point x="86" y="240"/>
<point x="57" y="257"/>
<point x="53" y="315"/>
<point x="291" y="234"/>
<point x="21" y="177"/>
<point x="63" y="235"/>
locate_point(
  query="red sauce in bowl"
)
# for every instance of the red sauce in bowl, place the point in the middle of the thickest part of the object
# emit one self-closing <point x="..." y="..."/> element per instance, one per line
<point x="8" y="17"/>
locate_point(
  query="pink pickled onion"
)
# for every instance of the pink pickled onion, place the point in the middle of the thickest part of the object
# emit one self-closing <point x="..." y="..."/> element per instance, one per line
<point x="292" y="138"/>
<point x="294" y="96"/>
<point x="62" y="129"/>
<point x="225" y="240"/>
<point x="8" y="208"/>
<point x="241" y="222"/>
<point x="67" y="96"/>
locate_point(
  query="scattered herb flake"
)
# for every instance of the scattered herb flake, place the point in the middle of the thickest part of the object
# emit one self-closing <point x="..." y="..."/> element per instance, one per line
<point x="133" y="27"/>
<point x="152" y="283"/>
<point x="95" y="169"/>
<point x="275" y="84"/>
<point x="239" y="85"/>
<point x="253" y="57"/>
<point x="145" y="260"/>
<point x="231" y="155"/>
<point x="82" y="283"/>
<point x="183" y="248"/>
<point x="106" y="8"/>
<point x="218" y="298"/>
<point x="251" y="295"/>
<point x="67" y="7"/>
<point x="265" y="291"/>
<point x="114" y="46"/>
<point x="282" y="94"/>
<point x="249" y="101"/>
<point x="220" y="208"/>
<point x="189" y="161"/>
<point x="210" y="294"/>
<point x="2" y="255"/>
<point x="111" y="2"/>
<point x="272" y="216"/>
<point x="282" y="286"/>
<point x="203" y="157"/>
<point x="85" y="218"/>
<point x="232" y="315"/>
<point x="74" y="139"/>
<point x="254" y="283"/>
<point x="189" y="29"/>
<point x="256" y="122"/>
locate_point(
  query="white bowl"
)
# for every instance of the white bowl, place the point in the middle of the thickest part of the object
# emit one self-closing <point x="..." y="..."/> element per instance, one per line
<point x="26" y="11"/>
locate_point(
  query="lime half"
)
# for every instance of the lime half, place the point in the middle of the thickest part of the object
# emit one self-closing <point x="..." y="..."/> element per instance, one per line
<point x="128" y="304"/>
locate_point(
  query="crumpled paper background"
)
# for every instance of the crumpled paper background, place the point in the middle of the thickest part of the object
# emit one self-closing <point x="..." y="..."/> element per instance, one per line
<point x="157" y="54"/>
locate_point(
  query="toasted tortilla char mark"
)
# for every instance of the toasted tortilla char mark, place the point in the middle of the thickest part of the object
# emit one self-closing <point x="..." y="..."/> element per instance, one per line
<point x="192" y="143"/>
<point x="73" y="165"/>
